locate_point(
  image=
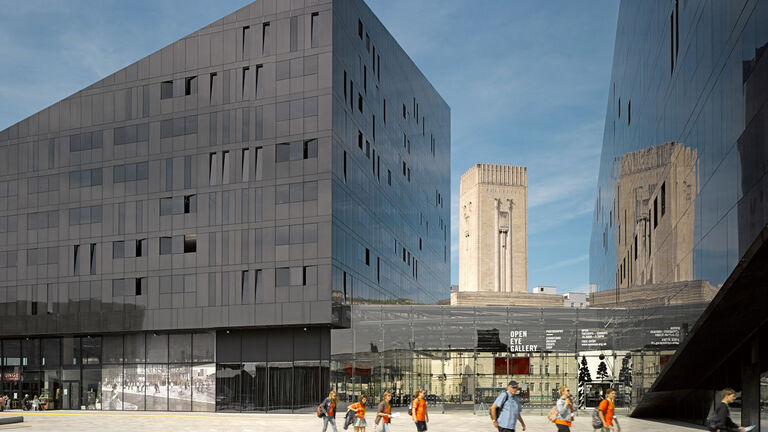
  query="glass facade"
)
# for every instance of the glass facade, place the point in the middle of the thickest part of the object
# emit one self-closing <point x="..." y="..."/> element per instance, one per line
<point x="464" y="356"/>
<point x="230" y="180"/>
<point x="682" y="174"/>
<point x="682" y="188"/>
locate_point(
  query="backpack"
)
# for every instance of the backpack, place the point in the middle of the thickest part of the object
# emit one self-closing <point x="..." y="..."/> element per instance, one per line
<point x="597" y="422"/>
<point x="498" y="412"/>
<point x="552" y="416"/>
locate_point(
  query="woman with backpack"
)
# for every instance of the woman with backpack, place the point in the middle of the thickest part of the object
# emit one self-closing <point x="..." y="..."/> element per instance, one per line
<point x="328" y="411"/>
<point x="384" y="412"/>
<point x="359" y="409"/>
<point x="564" y="410"/>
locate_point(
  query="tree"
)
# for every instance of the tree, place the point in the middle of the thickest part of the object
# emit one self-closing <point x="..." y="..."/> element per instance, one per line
<point x="602" y="369"/>
<point x="584" y="377"/>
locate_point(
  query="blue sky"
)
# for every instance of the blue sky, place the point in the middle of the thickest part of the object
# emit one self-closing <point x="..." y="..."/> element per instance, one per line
<point x="527" y="82"/>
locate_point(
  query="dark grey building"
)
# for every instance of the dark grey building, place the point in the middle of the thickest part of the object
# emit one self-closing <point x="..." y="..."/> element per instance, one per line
<point x="183" y="234"/>
<point x="682" y="193"/>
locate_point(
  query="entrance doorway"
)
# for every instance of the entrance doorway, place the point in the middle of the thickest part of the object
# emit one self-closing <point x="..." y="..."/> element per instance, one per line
<point x="70" y="398"/>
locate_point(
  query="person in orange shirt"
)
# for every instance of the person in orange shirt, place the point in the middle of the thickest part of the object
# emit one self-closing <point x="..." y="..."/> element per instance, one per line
<point x="328" y="409"/>
<point x="606" y="409"/>
<point x="359" y="409"/>
<point x="384" y="412"/>
<point x="564" y="410"/>
<point x="419" y="411"/>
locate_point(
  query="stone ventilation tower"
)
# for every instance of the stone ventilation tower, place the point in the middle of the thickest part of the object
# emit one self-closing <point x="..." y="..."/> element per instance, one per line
<point x="493" y="227"/>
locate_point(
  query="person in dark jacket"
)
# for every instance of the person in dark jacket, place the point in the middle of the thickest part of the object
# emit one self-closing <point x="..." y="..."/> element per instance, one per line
<point x="328" y="408"/>
<point x="720" y="421"/>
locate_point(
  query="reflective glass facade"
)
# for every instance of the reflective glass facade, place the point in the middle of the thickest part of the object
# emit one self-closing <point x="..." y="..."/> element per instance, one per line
<point x="464" y="356"/>
<point x="682" y="189"/>
<point x="682" y="183"/>
<point x="258" y="173"/>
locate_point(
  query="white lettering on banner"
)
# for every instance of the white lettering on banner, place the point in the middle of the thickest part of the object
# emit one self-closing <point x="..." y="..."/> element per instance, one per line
<point x="594" y="338"/>
<point x="670" y="336"/>
<point x="517" y="343"/>
<point x="552" y="338"/>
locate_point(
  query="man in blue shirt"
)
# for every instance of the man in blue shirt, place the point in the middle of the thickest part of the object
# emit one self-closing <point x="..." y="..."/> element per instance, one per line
<point x="506" y="409"/>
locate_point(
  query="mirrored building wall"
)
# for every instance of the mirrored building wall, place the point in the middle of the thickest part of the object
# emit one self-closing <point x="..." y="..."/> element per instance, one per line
<point x="682" y="168"/>
<point x="464" y="356"/>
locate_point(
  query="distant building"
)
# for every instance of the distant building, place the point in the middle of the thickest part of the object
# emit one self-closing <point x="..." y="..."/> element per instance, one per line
<point x="493" y="227"/>
<point x="493" y="239"/>
<point x="544" y="290"/>
<point x="575" y="300"/>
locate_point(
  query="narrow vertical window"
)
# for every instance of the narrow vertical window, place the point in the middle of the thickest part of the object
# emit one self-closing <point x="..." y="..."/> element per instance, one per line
<point x="360" y="139"/>
<point x="360" y="102"/>
<point x="351" y="95"/>
<point x="655" y="212"/>
<point x="360" y="29"/>
<point x="257" y="74"/>
<point x="345" y="86"/>
<point x="244" y="287"/>
<point x="314" y="30"/>
<point x="384" y="110"/>
<point x="246" y="164"/>
<point x="226" y="168"/>
<point x="663" y="199"/>
<point x="214" y="88"/>
<point x="190" y="86"/>
<point x="378" y="269"/>
<point x="93" y="258"/>
<point x="629" y="113"/>
<point x="246" y="80"/>
<point x="212" y="162"/>
<point x="345" y="166"/>
<point x="671" y="43"/>
<point x="367" y="257"/>
<point x="266" y="38"/>
<point x="389" y="177"/>
<point x="76" y="266"/>
<point x="258" y="164"/>
<point x="169" y="174"/>
<point x="373" y="126"/>
<point x="246" y="41"/>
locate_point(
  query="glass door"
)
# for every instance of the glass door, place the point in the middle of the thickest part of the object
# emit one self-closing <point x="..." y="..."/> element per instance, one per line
<point x="71" y="397"/>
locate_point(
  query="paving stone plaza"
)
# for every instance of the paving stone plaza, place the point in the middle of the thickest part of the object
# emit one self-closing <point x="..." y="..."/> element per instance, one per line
<point x="65" y="421"/>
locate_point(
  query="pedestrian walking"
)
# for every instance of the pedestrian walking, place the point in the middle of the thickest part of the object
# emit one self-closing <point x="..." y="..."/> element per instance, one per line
<point x="564" y="410"/>
<point x="384" y="412"/>
<point x="328" y="410"/>
<point x="720" y="420"/>
<point x="359" y="409"/>
<point x="506" y="409"/>
<point x="606" y="412"/>
<point x="35" y="403"/>
<point x="419" y="411"/>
